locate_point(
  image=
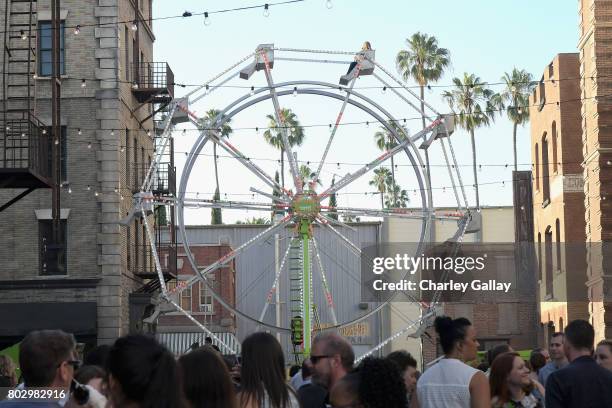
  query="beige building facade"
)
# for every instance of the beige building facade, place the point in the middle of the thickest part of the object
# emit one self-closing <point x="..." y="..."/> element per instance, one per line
<point x="107" y="143"/>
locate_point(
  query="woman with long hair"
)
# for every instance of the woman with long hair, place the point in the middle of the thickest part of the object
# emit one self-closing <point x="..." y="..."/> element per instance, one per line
<point x="142" y="374"/>
<point x="511" y="385"/>
<point x="206" y="379"/>
<point x="262" y="378"/>
<point x="451" y="382"/>
<point x="375" y="383"/>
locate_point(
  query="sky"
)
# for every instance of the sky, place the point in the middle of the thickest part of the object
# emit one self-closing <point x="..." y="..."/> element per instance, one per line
<point x="486" y="38"/>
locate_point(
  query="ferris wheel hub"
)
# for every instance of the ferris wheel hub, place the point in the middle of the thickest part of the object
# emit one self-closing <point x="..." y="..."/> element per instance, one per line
<point x="306" y="205"/>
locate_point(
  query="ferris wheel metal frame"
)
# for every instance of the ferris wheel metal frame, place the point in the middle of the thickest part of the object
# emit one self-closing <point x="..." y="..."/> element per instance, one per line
<point x="303" y="206"/>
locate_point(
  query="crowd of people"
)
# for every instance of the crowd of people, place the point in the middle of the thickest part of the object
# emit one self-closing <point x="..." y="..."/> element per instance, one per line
<point x="138" y="372"/>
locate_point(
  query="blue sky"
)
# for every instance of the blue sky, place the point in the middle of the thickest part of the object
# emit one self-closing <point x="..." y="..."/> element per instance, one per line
<point x="484" y="37"/>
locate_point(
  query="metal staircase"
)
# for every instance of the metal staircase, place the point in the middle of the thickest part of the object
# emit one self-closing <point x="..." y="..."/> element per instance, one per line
<point x="24" y="161"/>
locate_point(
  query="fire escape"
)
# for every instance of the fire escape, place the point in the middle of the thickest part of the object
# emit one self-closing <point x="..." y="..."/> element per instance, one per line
<point x="24" y="159"/>
<point x="154" y="85"/>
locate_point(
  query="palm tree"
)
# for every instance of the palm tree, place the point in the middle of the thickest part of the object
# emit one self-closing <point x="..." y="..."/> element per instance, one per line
<point x="307" y="175"/>
<point x="386" y="141"/>
<point x="295" y="134"/>
<point x="425" y="63"/>
<point x="226" y="130"/>
<point x="215" y="213"/>
<point x="515" y="99"/>
<point x="396" y="196"/>
<point x="470" y="101"/>
<point x="333" y="202"/>
<point x="380" y="180"/>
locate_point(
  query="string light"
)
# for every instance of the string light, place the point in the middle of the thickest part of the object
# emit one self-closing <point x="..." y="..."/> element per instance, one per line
<point x="69" y="190"/>
<point x="77" y="29"/>
<point x="187" y="14"/>
<point x="89" y="145"/>
<point x="23" y="135"/>
<point x="252" y="90"/>
<point x="83" y="83"/>
<point x="149" y="133"/>
<point x="96" y="193"/>
<point x="266" y="12"/>
<point x="134" y="25"/>
<point x="122" y="149"/>
<point x="56" y="141"/>
<point x="79" y="131"/>
<point x="295" y="91"/>
<point x="88" y="187"/>
<point x="206" y="19"/>
<point x="384" y="90"/>
<point x="112" y="132"/>
<point x="23" y="35"/>
<point x="329" y="4"/>
<point x="135" y="85"/>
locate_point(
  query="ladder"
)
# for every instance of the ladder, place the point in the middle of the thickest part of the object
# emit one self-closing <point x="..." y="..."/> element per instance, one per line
<point x="295" y="269"/>
<point x="18" y="83"/>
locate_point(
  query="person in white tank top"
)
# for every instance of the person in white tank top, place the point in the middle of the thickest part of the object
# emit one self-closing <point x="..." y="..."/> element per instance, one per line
<point x="450" y="383"/>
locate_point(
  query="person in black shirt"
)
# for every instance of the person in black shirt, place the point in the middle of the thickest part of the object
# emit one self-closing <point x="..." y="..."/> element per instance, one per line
<point x="582" y="383"/>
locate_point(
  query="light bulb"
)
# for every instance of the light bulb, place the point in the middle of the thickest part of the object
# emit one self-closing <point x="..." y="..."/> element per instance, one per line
<point x="112" y="132"/>
<point x="44" y="131"/>
<point x="135" y="85"/>
<point x="96" y="193"/>
<point x="295" y="91"/>
<point x="149" y="133"/>
<point x="88" y="187"/>
<point x="23" y="135"/>
<point x="257" y="130"/>
<point x="367" y="124"/>
<point x="134" y="25"/>
<point x="252" y="90"/>
<point x="89" y="145"/>
<point x="384" y="90"/>
<point x="23" y="35"/>
<point x="83" y="83"/>
<point x="116" y="190"/>
<point x="69" y="190"/>
<point x="79" y="131"/>
<point x="34" y="77"/>
<point x="329" y="4"/>
<point x="122" y="149"/>
<point x="206" y="19"/>
<point x="56" y="141"/>
<point x="266" y="12"/>
<point x="77" y="29"/>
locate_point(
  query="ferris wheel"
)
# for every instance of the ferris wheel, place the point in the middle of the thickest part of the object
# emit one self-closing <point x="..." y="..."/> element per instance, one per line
<point x="303" y="207"/>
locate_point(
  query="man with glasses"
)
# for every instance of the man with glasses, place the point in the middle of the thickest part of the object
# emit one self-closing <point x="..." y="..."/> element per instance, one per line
<point x="332" y="358"/>
<point x="48" y="360"/>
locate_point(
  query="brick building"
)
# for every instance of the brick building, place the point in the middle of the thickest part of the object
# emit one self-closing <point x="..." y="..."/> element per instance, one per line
<point x="558" y="195"/>
<point x="107" y="98"/>
<point x="595" y="45"/>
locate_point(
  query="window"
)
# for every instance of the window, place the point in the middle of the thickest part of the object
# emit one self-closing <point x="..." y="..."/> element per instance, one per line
<point x="52" y="257"/>
<point x="186" y="299"/>
<point x="127" y="152"/>
<point x="63" y="153"/>
<point x="554" y="147"/>
<point x="136" y="246"/>
<point x="537" y="166"/>
<point x="548" y="261"/>
<point x="126" y="51"/>
<point x="558" y="243"/>
<point x="545" y="172"/>
<point x="206" y="299"/>
<point x="135" y="163"/>
<point x="45" y="56"/>
<point x="539" y="256"/>
<point x="128" y="247"/>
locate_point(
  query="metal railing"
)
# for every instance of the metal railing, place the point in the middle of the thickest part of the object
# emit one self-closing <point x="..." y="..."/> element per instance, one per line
<point x="164" y="179"/>
<point x="23" y="144"/>
<point x="154" y="76"/>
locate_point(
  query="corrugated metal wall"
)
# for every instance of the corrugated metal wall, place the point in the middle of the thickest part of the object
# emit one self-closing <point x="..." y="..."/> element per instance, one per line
<point x="255" y="274"/>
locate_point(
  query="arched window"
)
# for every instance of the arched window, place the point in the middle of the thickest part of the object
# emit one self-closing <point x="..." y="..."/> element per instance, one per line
<point x="539" y="256"/>
<point x="545" y="171"/>
<point x="537" y="166"/>
<point x="554" y="147"/>
<point x="558" y="243"/>
<point x="548" y="261"/>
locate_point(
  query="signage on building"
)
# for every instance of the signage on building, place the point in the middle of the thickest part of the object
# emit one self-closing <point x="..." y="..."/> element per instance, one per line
<point x="358" y="333"/>
<point x="568" y="183"/>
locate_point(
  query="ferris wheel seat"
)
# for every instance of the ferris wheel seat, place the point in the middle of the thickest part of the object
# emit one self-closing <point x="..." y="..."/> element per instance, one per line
<point x="364" y="66"/>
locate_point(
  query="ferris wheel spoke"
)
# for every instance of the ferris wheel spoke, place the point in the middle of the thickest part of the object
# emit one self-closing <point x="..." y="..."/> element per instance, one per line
<point x="331" y="220"/>
<point x="293" y="167"/>
<point x="349" y="178"/>
<point x="275" y="283"/>
<point x="333" y="132"/>
<point x="328" y="295"/>
<point x="245" y="161"/>
<point x="270" y="196"/>
<point x="396" y="213"/>
<point x="233" y="254"/>
<point x="344" y="239"/>
<point x="237" y="205"/>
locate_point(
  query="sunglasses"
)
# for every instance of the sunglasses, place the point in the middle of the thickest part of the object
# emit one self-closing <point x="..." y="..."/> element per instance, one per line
<point x="315" y="359"/>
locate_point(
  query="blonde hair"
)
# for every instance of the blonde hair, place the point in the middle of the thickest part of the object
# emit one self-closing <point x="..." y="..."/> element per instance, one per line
<point x="366" y="46"/>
